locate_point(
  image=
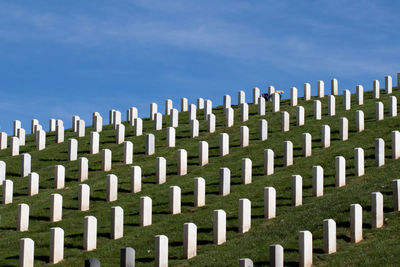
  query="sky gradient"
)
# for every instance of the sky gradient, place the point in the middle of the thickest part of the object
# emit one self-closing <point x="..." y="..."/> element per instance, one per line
<point x="65" y="58"/>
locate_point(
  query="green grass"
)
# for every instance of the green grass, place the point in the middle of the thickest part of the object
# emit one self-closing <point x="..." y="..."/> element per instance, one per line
<point x="380" y="246"/>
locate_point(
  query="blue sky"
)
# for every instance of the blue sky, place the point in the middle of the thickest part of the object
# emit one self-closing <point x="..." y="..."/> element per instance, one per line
<point x="65" y="58"/>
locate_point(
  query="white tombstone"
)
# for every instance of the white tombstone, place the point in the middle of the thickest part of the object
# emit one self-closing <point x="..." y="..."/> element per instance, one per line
<point x="219" y="227"/>
<point x="106" y="162"/>
<point x="329" y="234"/>
<point x="131" y="115"/>
<point x="244" y="215"/>
<point x="340" y="171"/>
<point x="356" y="222"/>
<point x="174" y="199"/>
<point x="138" y="128"/>
<point x="300" y="115"/>
<point x="116" y="118"/>
<point x="2" y="171"/>
<point x="224" y="181"/>
<point x="307" y="145"/>
<point x="72" y="149"/>
<point x="276" y="255"/>
<point x="245" y="262"/>
<point x="269" y="202"/>
<point x="33" y="184"/>
<point x="285" y="122"/>
<point x="161" y="251"/>
<point x="376" y="89"/>
<point x="120" y="134"/>
<point x="261" y="106"/>
<point x="192" y="112"/>
<point x="17" y="125"/>
<point x="56" y="201"/>
<point x="331" y="105"/>
<point x="7" y="196"/>
<point x="388" y="84"/>
<point x="287" y="153"/>
<point x="161" y="170"/>
<point x="26" y="252"/>
<point x="271" y="90"/>
<point x="223" y="144"/>
<point x="3" y="140"/>
<point x="94" y="142"/>
<point x="358" y="161"/>
<point x="23" y="218"/>
<point x="34" y="122"/>
<point x="81" y="128"/>
<point x="184" y="104"/>
<point x="150" y="144"/>
<point x="293" y="96"/>
<point x="262" y="129"/>
<point x="199" y="192"/>
<point x="246" y="171"/>
<point x="317" y="181"/>
<point x="244" y="136"/>
<point x="396" y="194"/>
<point x="203" y="153"/>
<point x="359" y="120"/>
<point x="59" y="134"/>
<point x="334" y="87"/>
<point x="128" y="152"/>
<point x="244" y="112"/>
<point x="395" y="145"/>
<point x="25" y="164"/>
<point x="117" y="223"/>
<point x="211" y="123"/>
<point x="200" y="103"/>
<point x="21" y="136"/>
<point x="207" y="108"/>
<point x="307" y="91"/>
<point x="379" y="112"/>
<point x="297" y="190"/>
<point x="376" y="210"/>
<point x="56" y="245"/>
<point x="256" y="95"/>
<point x="40" y="140"/>
<point x="145" y="211"/>
<point x="325" y="136"/>
<point x="379" y="152"/>
<point x="317" y="110"/>
<point x="59" y="177"/>
<point x="174" y="119"/>
<point x="98" y="123"/>
<point x="321" y="89"/>
<point x="112" y="188"/>
<point x="158" y="121"/>
<point x="189" y="240"/>
<point x="194" y="129"/>
<point x="83" y="169"/>
<point x="305" y="249"/>
<point x="241" y="97"/>
<point x="344" y="129"/>
<point x="136" y="179"/>
<point x="90" y="233"/>
<point x="276" y="102"/>
<point x="75" y="120"/>
<point x="346" y="100"/>
<point x="227" y="102"/>
<point x="392" y="106"/>
<point x="84" y="197"/>
<point x="168" y="107"/>
<point x="153" y="110"/>
<point x="14" y="146"/>
<point x="182" y="162"/>
<point x="268" y="161"/>
<point x="170" y="137"/>
<point x="360" y="95"/>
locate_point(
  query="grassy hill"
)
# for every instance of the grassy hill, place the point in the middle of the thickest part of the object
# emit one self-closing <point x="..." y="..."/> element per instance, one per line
<point x="380" y="246"/>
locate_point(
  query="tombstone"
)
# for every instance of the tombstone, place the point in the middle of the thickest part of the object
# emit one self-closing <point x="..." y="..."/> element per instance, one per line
<point x="334" y="87"/>
<point x="7" y="196"/>
<point x="84" y="197"/>
<point x="182" y="162"/>
<point x="269" y="202"/>
<point x="356" y="222"/>
<point x="317" y="181"/>
<point x="145" y="211"/>
<point x="268" y="161"/>
<point x="344" y="129"/>
<point x="256" y="95"/>
<point x="72" y="149"/>
<point x="245" y="262"/>
<point x="276" y="256"/>
<point x="211" y="123"/>
<point x="81" y="128"/>
<point x="261" y="106"/>
<point x="329" y="234"/>
<point x="392" y="106"/>
<point x="174" y="199"/>
<point x="276" y="102"/>
<point x="14" y="146"/>
<point x="359" y="120"/>
<point x="59" y="177"/>
<point x="396" y="194"/>
<point x="229" y="117"/>
<point x="305" y="249"/>
<point x="59" y="134"/>
<point x="90" y="233"/>
<point x="194" y="129"/>
<point x="3" y="140"/>
<point x="207" y="108"/>
<point x="2" y="171"/>
<point x="317" y="110"/>
<point x="40" y="140"/>
<point x="189" y="240"/>
<point x="293" y="96"/>
<point x="160" y="251"/>
<point x="117" y="223"/>
<point x="244" y="215"/>
<point x="227" y="102"/>
<point x="33" y="184"/>
<point x="128" y="152"/>
<point x="112" y="188"/>
<point x="98" y="123"/>
<point x="379" y="152"/>
<point x="241" y="97"/>
<point x="359" y="161"/>
<point x="127" y="257"/>
<point x="192" y="112"/>
<point x="244" y="136"/>
<point x="56" y="201"/>
<point x="94" y="142"/>
<point x="300" y="115"/>
<point x="150" y="144"/>
<point x="106" y="160"/>
<point x="170" y="137"/>
<point x="285" y="122"/>
<point x="388" y="84"/>
<point x="153" y="110"/>
<point x="83" y="169"/>
<point x="219" y="227"/>
<point x="307" y="145"/>
<point x="307" y="91"/>
<point x="158" y="121"/>
<point x="244" y="112"/>
<point x="17" y="125"/>
<point x="321" y="89"/>
<point x="56" y="245"/>
<point x="395" y="145"/>
<point x="223" y="144"/>
<point x="136" y="179"/>
<point x="262" y="129"/>
<point x="38" y="128"/>
<point x="21" y="136"/>
<point x="360" y="95"/>
<point x="184" y="104"/>
<point x="331" y="105"/>
<point x="116" y="118"/>
<point x="287" y="153"/>
<point x="168" y="107"/>
<point x="75" y="120"/>
<point x="224" y="181"/>
<point x="174" y="119"/>
<point x="92" y="262"/>
<point x="203" y="153"/>
<point x="26" y="252"/>
<point x="340" y="171"/>
<point x="376" y="89"/>
<point x="120" y="134"/>
<point x="34" y="122"/>
<point x="379" y="112"/>
<point x="297" y="188"/>
<point x="199" y="192"/>
<point x="377" y="210"/>
<point x="25" y="164"/>
<point x="346" y="100"/>
<point x="138" y="127"/>
<point x="161" y="170"/>
<point x="23" y="218"/>
<point x="325" y="136"/>
<point x="271" y="90"/>
<point x="133" y="114"/>
<point x="200" y="103"/>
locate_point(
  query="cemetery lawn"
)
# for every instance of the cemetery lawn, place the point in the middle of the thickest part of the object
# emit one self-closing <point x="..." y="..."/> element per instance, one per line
<point x="379" y="247"/>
